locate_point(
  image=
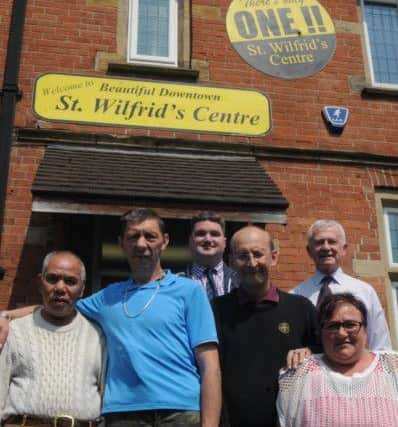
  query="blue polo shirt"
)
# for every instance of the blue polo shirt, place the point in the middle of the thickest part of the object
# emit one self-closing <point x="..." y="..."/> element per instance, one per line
<point x="151" y="332"/>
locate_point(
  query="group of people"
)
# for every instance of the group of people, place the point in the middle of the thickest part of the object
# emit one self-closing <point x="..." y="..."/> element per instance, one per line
<point x="200" y="348"/>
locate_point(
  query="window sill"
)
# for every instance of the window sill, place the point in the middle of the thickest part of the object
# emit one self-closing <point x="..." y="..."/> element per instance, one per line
<point x="378" y="91"/>
<point x="153" y="72"/>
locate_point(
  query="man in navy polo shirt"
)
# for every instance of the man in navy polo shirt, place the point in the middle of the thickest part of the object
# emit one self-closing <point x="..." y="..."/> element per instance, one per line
<point x="257" y="326"/>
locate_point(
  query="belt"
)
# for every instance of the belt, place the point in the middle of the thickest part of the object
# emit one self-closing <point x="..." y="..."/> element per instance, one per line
<point x="59" y="421"/>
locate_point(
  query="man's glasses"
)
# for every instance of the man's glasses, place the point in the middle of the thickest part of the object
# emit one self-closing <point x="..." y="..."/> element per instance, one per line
<point x="350" y="326"/>
<point x="53" y="279"/>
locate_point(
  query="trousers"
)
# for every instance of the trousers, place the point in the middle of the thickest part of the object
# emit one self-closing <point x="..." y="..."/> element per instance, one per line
<point x="156" y="418"/>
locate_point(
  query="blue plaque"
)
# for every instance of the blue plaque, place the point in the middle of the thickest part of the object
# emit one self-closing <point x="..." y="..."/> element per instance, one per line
<point x="336" y="117"/>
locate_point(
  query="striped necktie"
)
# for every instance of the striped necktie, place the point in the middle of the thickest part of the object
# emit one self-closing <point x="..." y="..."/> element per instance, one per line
<point x="211" y="284"/>
<point x="325" y="290"/>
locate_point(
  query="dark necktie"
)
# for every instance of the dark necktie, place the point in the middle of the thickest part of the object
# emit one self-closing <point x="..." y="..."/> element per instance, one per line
<point x="211" y="284"/>
<point x="325" y="290"/>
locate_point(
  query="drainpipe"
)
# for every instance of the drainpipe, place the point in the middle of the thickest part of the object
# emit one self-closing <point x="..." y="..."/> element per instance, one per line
<point x="9" y="96"/>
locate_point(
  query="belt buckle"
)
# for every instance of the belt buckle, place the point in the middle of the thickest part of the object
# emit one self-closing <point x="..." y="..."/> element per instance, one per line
<point x="64" y="417"/>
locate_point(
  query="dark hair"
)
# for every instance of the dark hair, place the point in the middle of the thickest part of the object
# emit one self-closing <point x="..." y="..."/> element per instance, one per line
<point x="330" y="303"/>
<point x="208" y="216"/>
<point x="140" y="215"/>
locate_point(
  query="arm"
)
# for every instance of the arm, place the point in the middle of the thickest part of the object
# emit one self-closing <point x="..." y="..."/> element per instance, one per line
<point x="210" y="396"/>
<point x="21" y="312"/>
<point x="13" y="314"/>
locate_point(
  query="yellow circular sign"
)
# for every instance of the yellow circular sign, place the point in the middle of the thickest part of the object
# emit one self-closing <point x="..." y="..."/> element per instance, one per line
<point x="284" y="38"/>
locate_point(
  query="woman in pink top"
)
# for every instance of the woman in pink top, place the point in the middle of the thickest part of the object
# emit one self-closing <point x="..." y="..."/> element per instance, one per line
<point x="348" y="385"/>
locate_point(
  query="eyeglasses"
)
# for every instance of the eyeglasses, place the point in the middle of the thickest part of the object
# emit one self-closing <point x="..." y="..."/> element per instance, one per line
<point x="245" y="256"/>
<point x="350" y="326"/>
<point x="53" y="279"/>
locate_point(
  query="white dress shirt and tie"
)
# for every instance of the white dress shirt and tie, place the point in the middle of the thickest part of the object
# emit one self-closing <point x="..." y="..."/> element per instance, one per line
<point x="378" y="333"/>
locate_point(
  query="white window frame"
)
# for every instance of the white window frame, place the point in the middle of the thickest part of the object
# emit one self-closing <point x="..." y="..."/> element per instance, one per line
<point x="394" y="289"/>
<point x="368" y="49"/>
<point x="134" y="57"/>
<point x="388" y="210"/>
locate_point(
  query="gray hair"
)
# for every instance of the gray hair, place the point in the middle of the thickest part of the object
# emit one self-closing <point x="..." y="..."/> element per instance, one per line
<point x="46" y="261"/>
<point x="321" y="224"/>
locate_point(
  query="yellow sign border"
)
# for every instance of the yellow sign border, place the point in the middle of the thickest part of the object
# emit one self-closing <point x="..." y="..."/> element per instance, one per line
<point x="52" y="101"/>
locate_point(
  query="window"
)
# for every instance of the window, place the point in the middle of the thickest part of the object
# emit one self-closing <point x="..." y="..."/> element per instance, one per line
<point x="394" y="285"/>
<point x="391" y="221"/>
<point x="380" y="20"/>
<point x="152" y="32"/>
<point x="387" y="219"/>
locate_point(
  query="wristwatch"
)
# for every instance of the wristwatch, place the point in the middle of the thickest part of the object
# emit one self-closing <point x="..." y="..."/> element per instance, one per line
<point x="4" y="314"/>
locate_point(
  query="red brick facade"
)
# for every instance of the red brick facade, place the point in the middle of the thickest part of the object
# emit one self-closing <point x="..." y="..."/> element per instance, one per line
<point x="67" y="37"/>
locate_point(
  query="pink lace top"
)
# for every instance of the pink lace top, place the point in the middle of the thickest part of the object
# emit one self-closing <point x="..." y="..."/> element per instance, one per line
<point x="315" y="396"/>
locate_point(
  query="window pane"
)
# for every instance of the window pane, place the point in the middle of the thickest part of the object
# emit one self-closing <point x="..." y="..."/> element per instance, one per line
<point x="393" y="228"/>
<point x="382" y="24"/>
<point x="153" y="28"/>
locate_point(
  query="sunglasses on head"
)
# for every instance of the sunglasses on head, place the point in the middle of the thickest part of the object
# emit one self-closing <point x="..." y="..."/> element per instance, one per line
<point x="53" y="279"/>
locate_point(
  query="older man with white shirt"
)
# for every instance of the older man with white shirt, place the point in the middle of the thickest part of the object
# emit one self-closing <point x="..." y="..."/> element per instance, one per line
<point x="327" y="246"/>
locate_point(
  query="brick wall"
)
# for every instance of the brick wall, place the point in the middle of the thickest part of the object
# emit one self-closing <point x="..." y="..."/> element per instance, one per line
<point x="23" y="165"/>
<point x="66" y="37"/>
<point x="330" y="191"/>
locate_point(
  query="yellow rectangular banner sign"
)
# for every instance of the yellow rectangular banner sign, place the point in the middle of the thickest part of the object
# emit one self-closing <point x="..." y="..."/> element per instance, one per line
<point x="142" y="103"/>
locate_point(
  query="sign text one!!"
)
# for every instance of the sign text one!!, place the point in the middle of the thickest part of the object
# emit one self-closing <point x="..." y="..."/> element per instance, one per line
<point x="283" y="38"/>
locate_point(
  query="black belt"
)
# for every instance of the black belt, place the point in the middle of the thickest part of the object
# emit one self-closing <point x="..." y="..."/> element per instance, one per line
<point x="60" y="421"/>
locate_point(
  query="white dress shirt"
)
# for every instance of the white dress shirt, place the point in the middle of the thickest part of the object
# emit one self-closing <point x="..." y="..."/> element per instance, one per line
<point x="377" y="329"/>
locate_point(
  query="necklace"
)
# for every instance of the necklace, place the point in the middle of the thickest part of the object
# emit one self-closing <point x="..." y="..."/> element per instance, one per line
<point x="146" y="305"/>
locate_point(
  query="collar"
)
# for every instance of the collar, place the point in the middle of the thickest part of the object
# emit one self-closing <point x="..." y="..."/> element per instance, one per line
<point x="271" y="295"/>
<point x="337" y="277"/>
<point x="166" y="280"/>
<point x="199" y="270"/>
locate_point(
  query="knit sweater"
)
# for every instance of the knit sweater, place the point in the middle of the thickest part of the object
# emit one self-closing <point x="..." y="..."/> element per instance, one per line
<point x="48" y="370"/>
<point x="254" y="341"/>
<point x="316" y="396"/>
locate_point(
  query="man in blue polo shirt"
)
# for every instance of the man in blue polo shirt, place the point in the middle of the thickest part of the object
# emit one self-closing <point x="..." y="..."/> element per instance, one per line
<point x="163" y="366"/>
<point x="161" y="338"/>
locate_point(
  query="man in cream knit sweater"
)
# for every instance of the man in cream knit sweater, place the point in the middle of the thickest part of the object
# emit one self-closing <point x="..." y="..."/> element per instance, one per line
<point x="162" y="365"/>
<point x="51" y="365"/>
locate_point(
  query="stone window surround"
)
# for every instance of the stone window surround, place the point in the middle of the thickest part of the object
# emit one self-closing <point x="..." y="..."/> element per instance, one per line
<point x="387" y="198"/>
<point x="105" y="61"/>
<point x="367" y="87"/>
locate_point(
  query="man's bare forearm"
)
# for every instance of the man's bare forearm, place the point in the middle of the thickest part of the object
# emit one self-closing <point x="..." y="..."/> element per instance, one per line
<point x="13" y="314"/>
<point x="207" y="357"/>
<point x="16" y="313"/>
